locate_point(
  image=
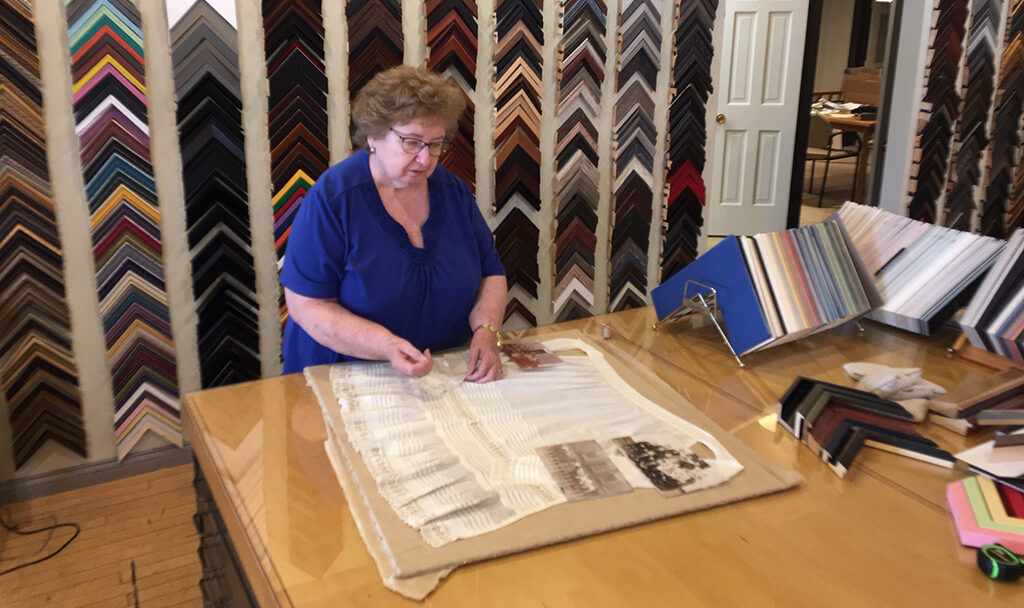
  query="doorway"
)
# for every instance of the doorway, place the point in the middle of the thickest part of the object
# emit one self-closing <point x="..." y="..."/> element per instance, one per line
<point x="844" y="90"/>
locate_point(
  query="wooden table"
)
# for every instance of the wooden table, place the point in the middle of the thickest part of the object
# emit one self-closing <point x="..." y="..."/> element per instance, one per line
<point x="865" y="129"/>
<point x="881" y="537"/>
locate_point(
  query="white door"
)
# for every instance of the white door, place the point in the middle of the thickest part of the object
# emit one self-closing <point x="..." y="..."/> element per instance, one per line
<point x="752" y="125"/>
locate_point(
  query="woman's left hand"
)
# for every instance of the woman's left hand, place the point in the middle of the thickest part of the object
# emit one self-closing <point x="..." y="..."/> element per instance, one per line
<point x="484" y="358"/>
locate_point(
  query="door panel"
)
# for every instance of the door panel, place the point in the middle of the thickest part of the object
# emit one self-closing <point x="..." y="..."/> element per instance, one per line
<point x="742" y="58"/>
<point x="734" y="152"/>
<point x="776" y="65"/>
<point x="767" y="160"/>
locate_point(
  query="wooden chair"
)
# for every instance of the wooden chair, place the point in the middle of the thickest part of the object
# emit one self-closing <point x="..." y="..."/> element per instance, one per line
<point x="820" y="146"/>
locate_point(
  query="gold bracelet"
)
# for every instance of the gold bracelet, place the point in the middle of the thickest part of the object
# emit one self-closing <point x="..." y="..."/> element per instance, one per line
<point x="490" y="328"/>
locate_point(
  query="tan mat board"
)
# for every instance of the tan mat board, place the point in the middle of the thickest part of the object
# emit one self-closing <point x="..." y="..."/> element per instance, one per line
<point x="411" y="556"/>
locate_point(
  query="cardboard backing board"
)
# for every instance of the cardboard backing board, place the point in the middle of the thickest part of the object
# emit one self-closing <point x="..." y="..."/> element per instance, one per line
<point x="403" y="556"/>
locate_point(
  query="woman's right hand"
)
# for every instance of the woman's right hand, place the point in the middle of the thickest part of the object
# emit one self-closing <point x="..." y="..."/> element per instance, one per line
<point x="408" y="360"/>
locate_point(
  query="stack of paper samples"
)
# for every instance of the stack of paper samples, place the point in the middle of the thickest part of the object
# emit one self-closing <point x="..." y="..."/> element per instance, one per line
<point x="994" y="318"/>
<point x="925" y="273"/>
<point x="775" y="287"/>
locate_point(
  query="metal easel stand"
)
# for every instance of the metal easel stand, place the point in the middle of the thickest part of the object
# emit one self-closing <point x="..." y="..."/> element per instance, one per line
<point x="699" y="303"/>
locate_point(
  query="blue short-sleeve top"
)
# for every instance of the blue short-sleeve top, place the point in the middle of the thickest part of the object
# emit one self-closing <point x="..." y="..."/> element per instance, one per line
<point x="344" y="245"/>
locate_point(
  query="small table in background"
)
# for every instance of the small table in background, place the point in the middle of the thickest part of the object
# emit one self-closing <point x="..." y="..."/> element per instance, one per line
<point x="865" y="129"/>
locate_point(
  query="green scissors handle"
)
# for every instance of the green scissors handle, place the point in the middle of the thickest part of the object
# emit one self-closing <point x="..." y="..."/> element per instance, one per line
<point x="998" y="562"/>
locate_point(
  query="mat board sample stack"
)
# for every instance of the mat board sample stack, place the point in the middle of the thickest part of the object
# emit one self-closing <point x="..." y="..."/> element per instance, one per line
<point x="776" y="287"/>
<point x="925" y="273"/>
<point x="994" y="318"/>
<point x="986" y="512"/>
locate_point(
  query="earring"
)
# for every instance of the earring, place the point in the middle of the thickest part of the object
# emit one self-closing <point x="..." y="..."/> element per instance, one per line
<point x="371" y="150"/>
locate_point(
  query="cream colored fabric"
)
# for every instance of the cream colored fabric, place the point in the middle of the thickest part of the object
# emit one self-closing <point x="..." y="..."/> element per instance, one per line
<point x="903" y="385"/>
<point x="456" y="459"/>
<point x="414" y="587"/>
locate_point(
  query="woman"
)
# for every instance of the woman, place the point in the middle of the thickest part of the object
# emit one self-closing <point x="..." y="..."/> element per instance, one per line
<point x="389" y="256"/>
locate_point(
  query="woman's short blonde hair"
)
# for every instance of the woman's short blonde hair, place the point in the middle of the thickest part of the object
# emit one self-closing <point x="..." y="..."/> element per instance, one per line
<point x="401" y="94"/>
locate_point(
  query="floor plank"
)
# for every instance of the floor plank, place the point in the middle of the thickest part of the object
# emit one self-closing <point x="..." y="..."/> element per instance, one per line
<point x="143" y="521"/>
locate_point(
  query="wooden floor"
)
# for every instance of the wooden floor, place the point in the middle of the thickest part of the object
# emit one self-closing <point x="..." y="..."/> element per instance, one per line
<point x="137" y="546"/>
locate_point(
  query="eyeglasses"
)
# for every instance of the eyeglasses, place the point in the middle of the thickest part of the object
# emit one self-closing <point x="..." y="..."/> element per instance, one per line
<point x="411" y="145"/>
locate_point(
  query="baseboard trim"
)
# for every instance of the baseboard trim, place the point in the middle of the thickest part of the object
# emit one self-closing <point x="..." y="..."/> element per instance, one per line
<point x="93" y="473"/>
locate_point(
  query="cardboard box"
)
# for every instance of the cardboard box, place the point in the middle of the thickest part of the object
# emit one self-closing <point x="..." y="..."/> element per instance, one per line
<point x="862" y="85"/>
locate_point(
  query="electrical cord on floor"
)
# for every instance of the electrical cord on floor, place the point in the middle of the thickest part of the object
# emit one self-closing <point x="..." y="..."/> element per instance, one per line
<point x="15" y="529"/>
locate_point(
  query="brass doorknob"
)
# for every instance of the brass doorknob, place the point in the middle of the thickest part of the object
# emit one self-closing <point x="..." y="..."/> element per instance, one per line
<point x="720" y="119"/>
